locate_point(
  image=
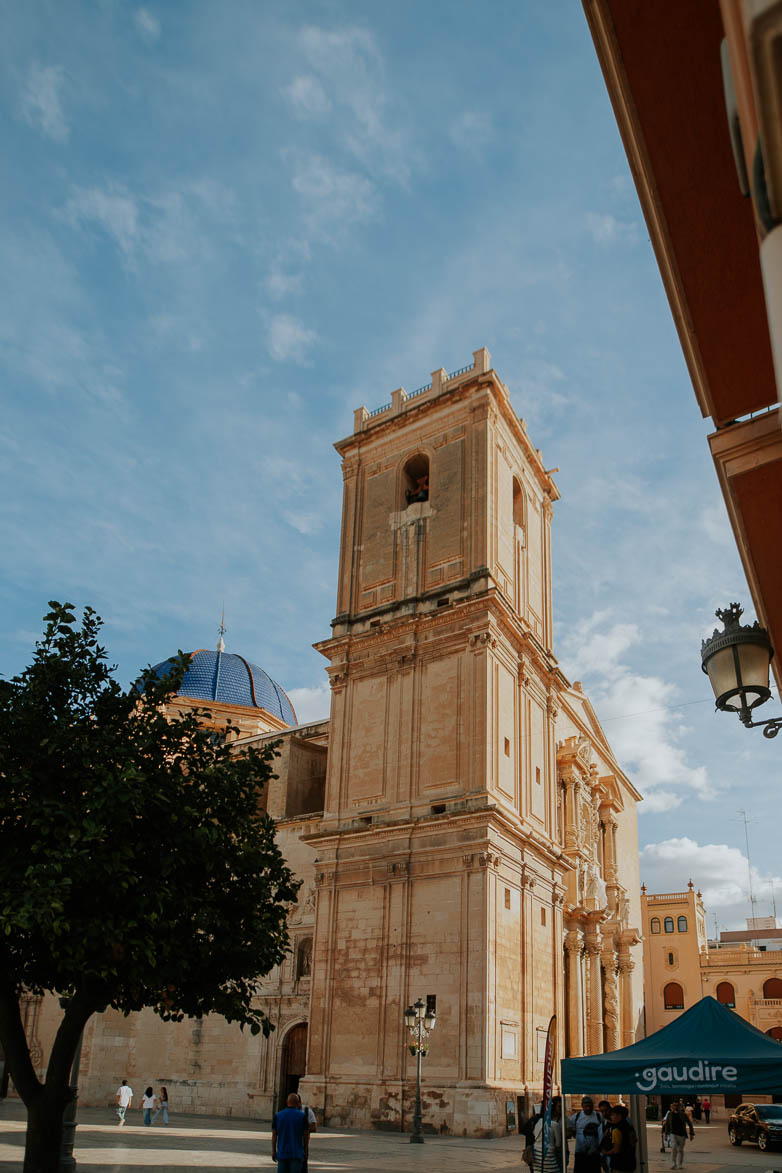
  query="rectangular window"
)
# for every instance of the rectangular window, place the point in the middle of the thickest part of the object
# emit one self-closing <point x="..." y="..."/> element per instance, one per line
<point x="537" y="775"/>
<point x="507" y="747"/>
<point x="507" y="897"/>
<point x="542" y="916"/>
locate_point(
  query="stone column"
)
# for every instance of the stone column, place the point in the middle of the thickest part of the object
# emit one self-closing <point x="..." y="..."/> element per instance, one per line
<point x="626" y="967"/>
<point x="575" y="1018"/>
<point x="571" y="839"/>
<point x="610" y="998"/>
<point x="595" y="999"/>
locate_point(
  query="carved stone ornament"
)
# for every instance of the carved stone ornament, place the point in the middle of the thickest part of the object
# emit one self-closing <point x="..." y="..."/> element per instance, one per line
<point x="584" y="750"/>
<point x="320" y="879"/>
<point x="399" y="868"/>
<point x="487" y="859"/>
<point x="482" y="639"/>
<point x="338" y="679"/>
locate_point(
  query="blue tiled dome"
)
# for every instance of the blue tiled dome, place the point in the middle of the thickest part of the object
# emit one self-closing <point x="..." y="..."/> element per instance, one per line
<point x="232" y="680"/>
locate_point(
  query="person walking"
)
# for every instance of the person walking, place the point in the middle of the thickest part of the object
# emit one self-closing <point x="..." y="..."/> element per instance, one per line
<point x="677" y="1125"/>
<point x="148" y="1102"/>
<point x="290" y="1137"/>
<point x="622" y="1152"/>
<point x="585" y="1126"/>
<point x="552" y="1161"/>
<point x="605" y="1138"/>
<point x="124" y="1097"/>
<point x="707" y="1109"/>
<point x="162" y="1106"/>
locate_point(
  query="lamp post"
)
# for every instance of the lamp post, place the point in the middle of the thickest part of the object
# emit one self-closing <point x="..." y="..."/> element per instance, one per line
<point x="420" y="1021"/>
<point x="736" y="661"/>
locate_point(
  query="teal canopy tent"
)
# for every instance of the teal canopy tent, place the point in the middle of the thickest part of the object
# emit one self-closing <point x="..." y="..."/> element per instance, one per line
<point x="709" y="1048"/>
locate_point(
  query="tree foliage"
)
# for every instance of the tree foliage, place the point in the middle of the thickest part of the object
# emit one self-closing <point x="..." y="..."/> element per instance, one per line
<point x="137" y="867"/>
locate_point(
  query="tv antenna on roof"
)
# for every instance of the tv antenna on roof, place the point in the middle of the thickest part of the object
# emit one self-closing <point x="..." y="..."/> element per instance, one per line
<point x="749" y="863"/>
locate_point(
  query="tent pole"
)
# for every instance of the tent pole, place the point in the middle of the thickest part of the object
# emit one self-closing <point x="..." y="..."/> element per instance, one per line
<point x="638" y="1121"/>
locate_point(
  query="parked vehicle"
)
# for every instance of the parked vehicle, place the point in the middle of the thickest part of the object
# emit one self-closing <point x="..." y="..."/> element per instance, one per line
<point x="759" y="1122"/>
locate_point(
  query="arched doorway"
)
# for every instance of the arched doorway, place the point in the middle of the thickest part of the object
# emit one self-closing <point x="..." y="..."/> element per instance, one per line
<point x="293" y="1064"/>
<point x="776" y="1033"/>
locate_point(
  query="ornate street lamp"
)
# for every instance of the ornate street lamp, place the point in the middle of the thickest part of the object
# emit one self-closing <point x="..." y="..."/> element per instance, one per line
<point x="420" y="1021"/>
<point x="736" y="661"/>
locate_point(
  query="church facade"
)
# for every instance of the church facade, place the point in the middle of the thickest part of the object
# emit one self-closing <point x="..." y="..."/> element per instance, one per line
<point x="461" y="827"/>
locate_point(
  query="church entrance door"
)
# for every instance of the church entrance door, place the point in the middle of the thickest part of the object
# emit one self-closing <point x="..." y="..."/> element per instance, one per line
<point x="293" y="1064"/>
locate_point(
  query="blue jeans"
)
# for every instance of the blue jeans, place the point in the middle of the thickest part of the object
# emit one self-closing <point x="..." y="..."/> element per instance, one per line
<point x="289" y="1165"/>
<point x="164" y="1109"/>
<point x="147" y="1115"/>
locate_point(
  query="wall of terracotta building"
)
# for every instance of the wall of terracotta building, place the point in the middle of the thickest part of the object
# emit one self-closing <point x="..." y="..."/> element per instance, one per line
<point x="681" y="958"/>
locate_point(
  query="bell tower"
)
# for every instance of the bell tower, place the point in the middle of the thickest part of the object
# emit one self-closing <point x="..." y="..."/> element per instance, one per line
<point x="439" y="864"/>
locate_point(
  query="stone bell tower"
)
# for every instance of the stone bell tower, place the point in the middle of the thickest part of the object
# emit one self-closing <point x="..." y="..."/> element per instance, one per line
<point x="439" y="858"/>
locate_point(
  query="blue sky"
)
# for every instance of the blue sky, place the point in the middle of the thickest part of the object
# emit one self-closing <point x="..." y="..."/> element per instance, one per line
<point x="226" y="226"/>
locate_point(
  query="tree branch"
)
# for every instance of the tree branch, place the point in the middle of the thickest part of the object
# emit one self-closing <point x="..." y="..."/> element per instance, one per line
<point x="77" y="1014"/>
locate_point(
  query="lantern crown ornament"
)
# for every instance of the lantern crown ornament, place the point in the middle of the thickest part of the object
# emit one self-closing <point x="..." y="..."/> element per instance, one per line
<point x="736" y="661"/>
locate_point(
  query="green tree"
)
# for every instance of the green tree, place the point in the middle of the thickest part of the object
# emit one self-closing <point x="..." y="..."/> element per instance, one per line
<point x="137" y="868"/>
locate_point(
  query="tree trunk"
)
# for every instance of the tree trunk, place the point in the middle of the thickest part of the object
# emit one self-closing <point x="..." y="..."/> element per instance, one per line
<point x="44" y="1134"/>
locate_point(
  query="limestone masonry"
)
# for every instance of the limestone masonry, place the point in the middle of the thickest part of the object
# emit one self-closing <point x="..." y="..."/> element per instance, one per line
<point x="460" y="824"/>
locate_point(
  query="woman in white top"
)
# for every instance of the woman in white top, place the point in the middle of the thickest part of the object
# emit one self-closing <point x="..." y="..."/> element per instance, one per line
<point x="148" y="1102"/>
<point x="552" y="1162"/>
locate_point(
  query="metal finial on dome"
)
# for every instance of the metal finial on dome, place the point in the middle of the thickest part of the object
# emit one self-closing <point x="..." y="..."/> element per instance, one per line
<point x="221" y="641"/>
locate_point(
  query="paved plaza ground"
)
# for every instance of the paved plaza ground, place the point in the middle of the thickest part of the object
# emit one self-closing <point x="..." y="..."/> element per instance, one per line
<point x="232" y="1146"/>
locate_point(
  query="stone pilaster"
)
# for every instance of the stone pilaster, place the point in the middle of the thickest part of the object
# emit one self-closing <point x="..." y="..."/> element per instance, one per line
<point x="610" y="997"/>
<point x="575" y="1019"/>
<point x="594" y="1025"/>
<point x="626" y="967"/>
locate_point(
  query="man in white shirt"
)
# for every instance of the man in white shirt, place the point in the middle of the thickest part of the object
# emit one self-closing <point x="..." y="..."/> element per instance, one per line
<point x="585" y="1126"/>
<point x="124" y="1097"/>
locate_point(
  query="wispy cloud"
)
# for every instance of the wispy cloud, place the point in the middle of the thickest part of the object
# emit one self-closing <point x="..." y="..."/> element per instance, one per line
<point x="637" y="710"/>
<point x="41" y="105"/>
<point x="147" y="24"/>
<point x="351" y="71"/>
<point x="471" y="130"/>
<point x="307" y="96"/>
<point x="607" y="229"/>
<point x="333" y="199"/>
<point x="289" y="339"/>
<point x="114" y="210"/>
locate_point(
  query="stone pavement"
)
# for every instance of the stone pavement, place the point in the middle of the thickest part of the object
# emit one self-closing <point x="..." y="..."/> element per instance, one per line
<point x="232" y="1146"/>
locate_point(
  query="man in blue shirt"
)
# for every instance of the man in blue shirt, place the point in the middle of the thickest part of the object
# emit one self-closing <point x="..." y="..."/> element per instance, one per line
<point x="290" y="1137"/>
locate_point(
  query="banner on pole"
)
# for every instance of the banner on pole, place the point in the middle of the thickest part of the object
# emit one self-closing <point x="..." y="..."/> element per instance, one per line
<point x="548" y="1081"/>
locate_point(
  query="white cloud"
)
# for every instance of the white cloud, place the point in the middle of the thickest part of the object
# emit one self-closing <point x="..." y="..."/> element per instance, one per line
<point x="638" y="713"/>
<point x="41" y="101"/>
<point x="311" y="704"/>
<point x="147" y="24"/>
<point x="718" y="870"/>
<point x="715" y="524"/>
<point x="114" y="210"/>
<point x="288" y="338"/>
<point x="307" y="96"/>
<point x="606" y="229"/>
<point x="333" y="198"/>
<point x="472" y="129"/>
<point x="352" y="73"/>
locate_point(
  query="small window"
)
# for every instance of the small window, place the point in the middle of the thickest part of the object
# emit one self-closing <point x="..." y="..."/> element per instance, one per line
<point x="671" y="959"/>
<point x="772" y="988"/>
<point x="542" y="916"/>
<point x="537" y="774"/>
<point x="304" y="958"/>
<point x="726" y="994"/>
<point x="668" y="922"/>
<point x="518" y="504"/>
<point x="654" y="924"/>
<point x="681" y="924"/>
<point x="507" y="897"/>
<point x="415" y="480"/>
<point x="507" y="747"/>
<point x="673" y="996"/>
